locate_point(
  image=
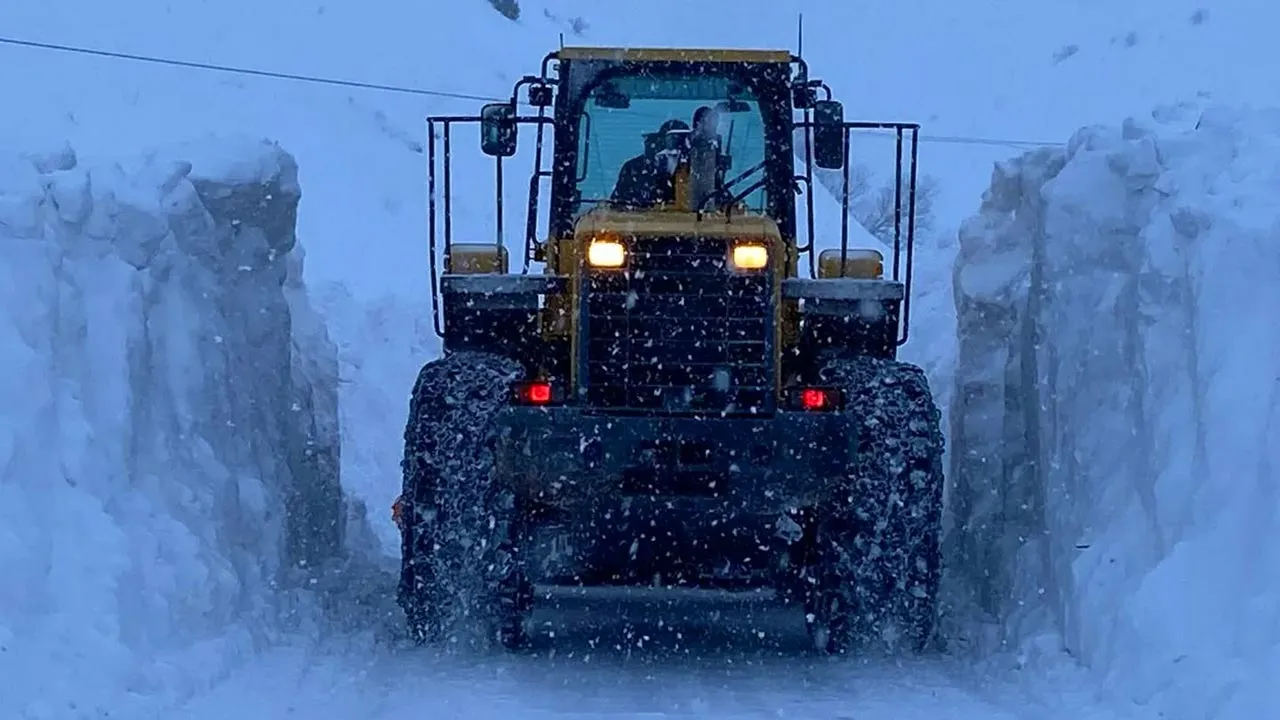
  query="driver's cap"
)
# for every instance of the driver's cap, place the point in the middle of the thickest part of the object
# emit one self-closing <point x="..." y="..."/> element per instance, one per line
<point x="672" y="126"/>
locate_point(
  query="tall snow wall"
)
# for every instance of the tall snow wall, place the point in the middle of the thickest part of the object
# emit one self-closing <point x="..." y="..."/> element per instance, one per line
<point x="168" y="423"/>
<point x="1116" y="418"/>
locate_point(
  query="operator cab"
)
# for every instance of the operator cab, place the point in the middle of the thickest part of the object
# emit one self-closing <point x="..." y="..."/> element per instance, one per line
<point x="629" y="123"/>
<point x="675" y="231"/>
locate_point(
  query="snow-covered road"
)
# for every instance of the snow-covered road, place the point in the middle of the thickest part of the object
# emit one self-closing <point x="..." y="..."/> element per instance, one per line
<point x="633" y="658"/>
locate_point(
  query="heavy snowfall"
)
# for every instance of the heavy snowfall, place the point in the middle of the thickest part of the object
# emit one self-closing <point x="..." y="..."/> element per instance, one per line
<point x="200" y="433"/>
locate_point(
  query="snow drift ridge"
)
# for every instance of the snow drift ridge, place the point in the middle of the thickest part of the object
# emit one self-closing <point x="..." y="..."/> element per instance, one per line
<point x="168" y="422"/>
<point x="1117" y="407"/>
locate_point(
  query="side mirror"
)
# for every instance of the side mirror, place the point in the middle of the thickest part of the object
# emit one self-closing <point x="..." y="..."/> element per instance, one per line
<point x="498" y="130"/>
<point x="828" y="134"/>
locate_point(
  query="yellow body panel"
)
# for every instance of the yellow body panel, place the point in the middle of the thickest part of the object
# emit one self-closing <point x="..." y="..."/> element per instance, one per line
<point x="666" y="223"/>
<point x="860" y="263"/>
<point x="560" y="318"/>
<point x="475" y="258"/>
<point x="617" y="54"/>
<point x="558" y="311"/>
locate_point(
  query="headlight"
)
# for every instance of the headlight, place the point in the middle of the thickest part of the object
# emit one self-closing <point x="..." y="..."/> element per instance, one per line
<point x="750" y="256"/>
<point x="606" y="253"/>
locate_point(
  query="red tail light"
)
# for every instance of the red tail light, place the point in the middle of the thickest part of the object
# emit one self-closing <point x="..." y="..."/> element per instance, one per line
<point x="812" y="399"/>
<point x="534" y="392"/>
<point x="538" y="393"/>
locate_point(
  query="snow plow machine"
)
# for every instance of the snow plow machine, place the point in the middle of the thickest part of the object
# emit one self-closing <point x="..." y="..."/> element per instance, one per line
<point x="676" y="387"/>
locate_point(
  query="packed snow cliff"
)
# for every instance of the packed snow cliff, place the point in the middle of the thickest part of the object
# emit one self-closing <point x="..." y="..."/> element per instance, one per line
<point x="168" y="423"/>
<point x="1116" y="419"/>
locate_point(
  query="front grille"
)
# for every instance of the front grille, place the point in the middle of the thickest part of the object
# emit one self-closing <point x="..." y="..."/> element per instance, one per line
<point x="678" y="331"/>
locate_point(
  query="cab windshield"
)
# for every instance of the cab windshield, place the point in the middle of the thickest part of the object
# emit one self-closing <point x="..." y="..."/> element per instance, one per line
<point x="623" y="119"/>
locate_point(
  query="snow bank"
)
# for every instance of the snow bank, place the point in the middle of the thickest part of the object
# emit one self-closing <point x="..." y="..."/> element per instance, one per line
<point x="168" y="423"/>
<point x="1117" y="408"/>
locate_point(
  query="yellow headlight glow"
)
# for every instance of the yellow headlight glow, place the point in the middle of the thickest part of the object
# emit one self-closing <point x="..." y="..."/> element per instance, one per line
<point x="606" y="253"/>
<point x="750" y="257"/>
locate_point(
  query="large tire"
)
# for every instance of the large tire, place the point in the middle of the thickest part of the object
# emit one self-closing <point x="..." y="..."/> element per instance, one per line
<point x="877" y="556"/>
<point x="460" y="566"/>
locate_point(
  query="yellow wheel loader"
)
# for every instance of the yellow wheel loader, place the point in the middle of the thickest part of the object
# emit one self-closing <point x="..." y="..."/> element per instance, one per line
<point x="674" y="387"/>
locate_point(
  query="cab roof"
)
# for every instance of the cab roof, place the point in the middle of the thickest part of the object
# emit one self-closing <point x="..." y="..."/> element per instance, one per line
<point x="618" y="54"/>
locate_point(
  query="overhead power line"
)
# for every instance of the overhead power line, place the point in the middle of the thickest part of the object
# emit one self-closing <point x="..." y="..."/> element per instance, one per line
<point x="241" y="71"/>
<point x="401" y="89"/>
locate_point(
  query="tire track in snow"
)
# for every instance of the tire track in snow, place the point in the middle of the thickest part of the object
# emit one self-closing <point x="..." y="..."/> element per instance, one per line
<point x="623" y="659"/>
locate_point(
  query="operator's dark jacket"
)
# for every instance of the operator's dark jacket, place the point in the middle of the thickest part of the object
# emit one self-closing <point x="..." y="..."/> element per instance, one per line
<point x="643" y="182"/>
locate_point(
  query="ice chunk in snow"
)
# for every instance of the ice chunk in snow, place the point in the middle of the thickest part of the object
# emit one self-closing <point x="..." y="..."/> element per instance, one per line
<point x="1117" y="407"/>
<point x="168" y="433"/>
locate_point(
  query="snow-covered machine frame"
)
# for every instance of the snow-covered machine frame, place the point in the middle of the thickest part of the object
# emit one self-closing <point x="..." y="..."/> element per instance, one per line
<point x="668" y="400"/>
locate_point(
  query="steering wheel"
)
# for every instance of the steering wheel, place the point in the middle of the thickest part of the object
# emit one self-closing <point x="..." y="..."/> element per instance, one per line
<point x="724" y="190"/>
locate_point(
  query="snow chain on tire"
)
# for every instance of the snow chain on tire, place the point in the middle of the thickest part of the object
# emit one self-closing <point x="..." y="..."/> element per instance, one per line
<point x="459" y="565"/>
<point x="877" y="561"/>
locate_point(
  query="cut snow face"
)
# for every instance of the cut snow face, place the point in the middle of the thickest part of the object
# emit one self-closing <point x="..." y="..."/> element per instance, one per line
<point x="168" y="435"/>
<point x="1117" y="406"/>
<point x="381" y="347"/>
